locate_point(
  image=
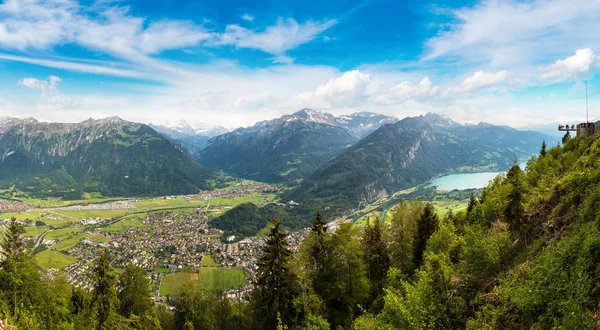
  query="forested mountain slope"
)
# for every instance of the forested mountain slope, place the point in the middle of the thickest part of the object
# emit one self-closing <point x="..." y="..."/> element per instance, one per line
<point x="110" y="156"/>
<point x="278" y="150"/>
<point x="408" y="153"/>
<point x="290" y="147"/>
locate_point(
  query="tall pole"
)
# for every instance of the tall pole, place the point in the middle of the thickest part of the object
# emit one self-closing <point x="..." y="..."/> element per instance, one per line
<point x="587" y="115"/>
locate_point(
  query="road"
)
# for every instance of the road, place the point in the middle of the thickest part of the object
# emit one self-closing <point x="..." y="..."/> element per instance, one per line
<point x="40" y="238"/>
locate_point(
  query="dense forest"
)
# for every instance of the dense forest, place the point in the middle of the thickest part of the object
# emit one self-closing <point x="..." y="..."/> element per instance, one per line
<point x="526" y="254"/>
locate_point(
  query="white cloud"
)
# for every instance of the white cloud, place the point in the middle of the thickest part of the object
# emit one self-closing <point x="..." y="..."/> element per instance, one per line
<point x="286" y="34"/>
<point x="248" y="18"/>
<point x="572" y="67"/>
<point x="481" y="80"/>
<point x="104" y="68"/>
<point x="45" y="86"/>
<point x="50" y="98"/>
<point x="517" y="32"/>
<point x="112" y="29"/>
<point x="254" y="101"/>
<point x="406" y="90"/>
<point x="351" y="89"/>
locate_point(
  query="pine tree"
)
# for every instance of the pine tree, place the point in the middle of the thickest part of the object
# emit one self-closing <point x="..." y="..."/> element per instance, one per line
<point x="472" y="203"/>
<point x="104" y="297"/>
<point x="12" y="247"/>
<point x="566" y="137"/>
<point x="318" y="232"/>
<point x="376" y="257"/>
<point x="134" y="293"/>
<point x="274" y="287"/>
<point x="20" y="281"/>
<point x="317" y="252"/>
<point x="515" y="211"/>
<point x="543" y="149"/>
<point x="427" y="225"/>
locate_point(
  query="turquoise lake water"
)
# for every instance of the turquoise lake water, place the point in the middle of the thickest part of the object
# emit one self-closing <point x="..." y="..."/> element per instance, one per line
<point x="463" y="180"/>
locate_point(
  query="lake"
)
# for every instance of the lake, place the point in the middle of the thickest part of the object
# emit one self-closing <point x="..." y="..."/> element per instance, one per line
<point x="463" y="181"/>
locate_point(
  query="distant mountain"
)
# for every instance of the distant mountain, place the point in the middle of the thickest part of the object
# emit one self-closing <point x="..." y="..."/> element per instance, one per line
<point x="410" y="152"/>
<point x="193" y="137"/>
<point x="549" y="129"/>
<point x="182" y="127"/>
<point x="109" y="156"/>
<point x="278" y="150"/>
<point x="362" y="124"/>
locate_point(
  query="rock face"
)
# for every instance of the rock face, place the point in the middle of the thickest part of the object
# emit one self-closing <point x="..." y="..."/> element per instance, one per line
<point x="109" y="156"/>
<point x="287" y="148"/>
<point x="408" y="153"/>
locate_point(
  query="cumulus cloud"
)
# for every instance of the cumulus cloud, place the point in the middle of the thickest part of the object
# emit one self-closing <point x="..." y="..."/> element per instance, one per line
<point x="50" y="98"/>
<point x="572" y="67"/>
<point x="45" y="86"/>
<point x="406" y="90"/>
<point x="351" y="89"/>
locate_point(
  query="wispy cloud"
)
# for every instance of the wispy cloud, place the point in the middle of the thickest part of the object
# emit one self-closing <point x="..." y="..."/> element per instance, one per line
<point x="515" y="32"/>
<point x="248" y="18"/>
<point x="113" y="30"/>
<point x="285" y="35"/>
<point x="76" y="65"/>
<point x="481" y="80"/>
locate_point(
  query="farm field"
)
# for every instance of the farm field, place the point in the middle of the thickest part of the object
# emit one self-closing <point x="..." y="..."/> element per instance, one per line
<point x="35" y="231"/>
<point x="122" y="225"/>
<point x="62" y="233"/>
<point x="209" y="278"/>
<point x="53" y="259"/>
<point x="208" y="261"/>
<point x="103" y="214"/>
<point x="21" y="215"/>
<point x="68" y="243"/>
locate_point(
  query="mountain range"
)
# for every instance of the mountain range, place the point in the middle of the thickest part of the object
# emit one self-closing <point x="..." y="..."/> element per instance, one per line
<point x="193" y="137"/>
<point x="411" y="152"/>
<point x="288" y="148"/>
<point x="110" y="156"/>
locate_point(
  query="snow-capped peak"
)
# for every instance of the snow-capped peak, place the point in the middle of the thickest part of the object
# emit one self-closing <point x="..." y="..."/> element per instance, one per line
<point x="196" y="128"/>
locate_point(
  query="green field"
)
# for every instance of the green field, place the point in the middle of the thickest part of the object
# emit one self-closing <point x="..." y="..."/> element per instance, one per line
<point x="53" y="259"/>
<point x="34" y="231"/>
<point x="209" y="278"/>
<point x="98" y="238"/>
<point x="21" y="215"/>
<point x="122" y="225"/>
<point x="208" y="261"/>
<point x="161" y="203"/>
<point x="257" y="199"/>
<point x="68" y="243"/>
<point x="443" y="206"/>
<point x="59" y="223"/>
<point x="63" y="233"/>
<point x="103" y="214"/>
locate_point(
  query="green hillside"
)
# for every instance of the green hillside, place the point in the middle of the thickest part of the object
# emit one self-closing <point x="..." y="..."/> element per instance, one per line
<point x="409" y="153"/>
<point x="280" y="150"/>
<point x="110" y="156"/>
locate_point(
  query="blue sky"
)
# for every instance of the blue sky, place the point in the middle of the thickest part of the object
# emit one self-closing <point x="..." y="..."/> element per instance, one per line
<point x="233" y="63"/>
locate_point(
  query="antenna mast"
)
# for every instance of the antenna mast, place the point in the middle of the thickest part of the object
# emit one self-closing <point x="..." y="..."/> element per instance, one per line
<point x="587" y="116"/>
